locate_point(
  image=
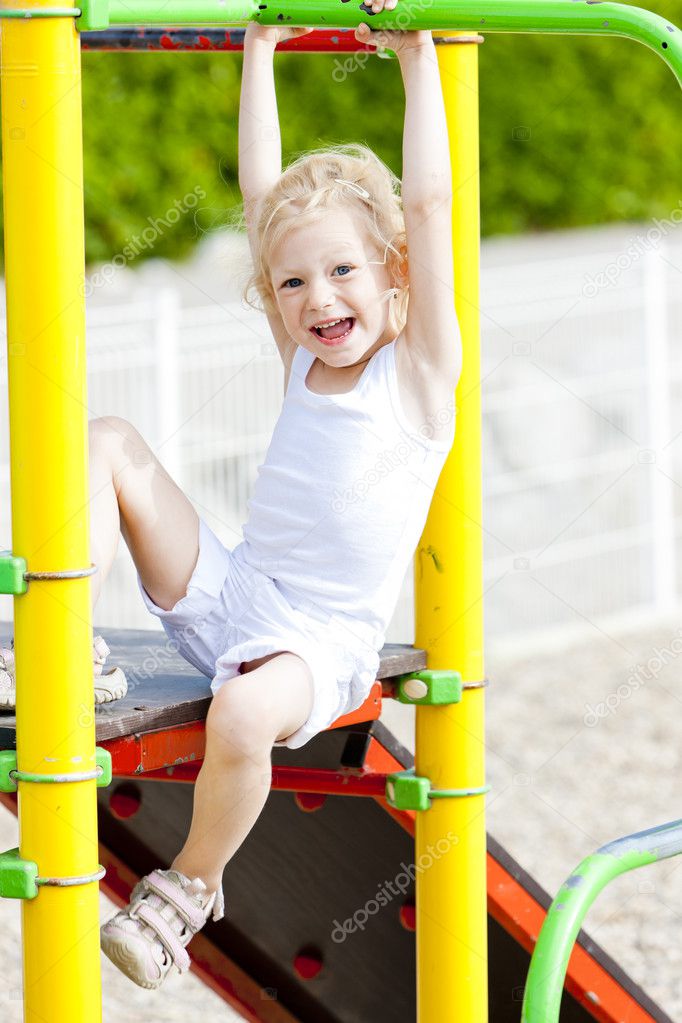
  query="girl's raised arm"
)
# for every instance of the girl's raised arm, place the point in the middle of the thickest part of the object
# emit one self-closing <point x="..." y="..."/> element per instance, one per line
<point x="260" y="148"/>
<point x="431" y="331"/>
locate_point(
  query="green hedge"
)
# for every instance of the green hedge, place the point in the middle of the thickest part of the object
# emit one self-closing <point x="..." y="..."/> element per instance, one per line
<point x="574" y="131"/>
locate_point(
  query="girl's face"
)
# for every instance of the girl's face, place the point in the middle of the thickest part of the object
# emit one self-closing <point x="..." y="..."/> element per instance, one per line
<point x="332" y="288"/>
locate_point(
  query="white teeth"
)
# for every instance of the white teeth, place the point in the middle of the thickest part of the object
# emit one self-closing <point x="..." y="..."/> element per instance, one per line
<point x="331" y="324"/>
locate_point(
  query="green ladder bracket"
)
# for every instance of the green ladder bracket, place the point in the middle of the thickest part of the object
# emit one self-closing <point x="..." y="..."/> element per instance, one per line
<point x="17" y="876"/>
<point x="407" y="791"/>
<point x="9" y="775"/>
<point x="94" y="16"/>
<point x="12" y="574"/>
<point x="429" y="688"/>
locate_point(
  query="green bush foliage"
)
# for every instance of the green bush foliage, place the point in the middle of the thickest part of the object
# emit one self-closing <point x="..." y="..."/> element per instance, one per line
<point x="574" y="131"/>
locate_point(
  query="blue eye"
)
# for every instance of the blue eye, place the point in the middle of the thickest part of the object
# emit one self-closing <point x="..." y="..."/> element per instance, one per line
<point x="292" y="282"/>
<point x="346" y="267"/>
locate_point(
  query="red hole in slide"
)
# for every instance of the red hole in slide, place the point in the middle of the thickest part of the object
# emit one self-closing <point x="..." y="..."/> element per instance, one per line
<point x="309" y="801"/>
<point x="125" y="800"/>
<point x="308" y="962"/>
<point x="408" y="916"/>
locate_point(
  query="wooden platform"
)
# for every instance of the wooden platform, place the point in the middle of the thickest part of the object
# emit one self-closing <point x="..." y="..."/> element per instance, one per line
<point x="165" y="691"/>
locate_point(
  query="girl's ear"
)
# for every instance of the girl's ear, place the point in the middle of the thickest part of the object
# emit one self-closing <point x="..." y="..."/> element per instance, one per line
<point x="400" y="266"/>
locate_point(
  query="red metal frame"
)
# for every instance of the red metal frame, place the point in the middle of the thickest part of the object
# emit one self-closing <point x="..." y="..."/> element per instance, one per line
<point x="207" y="40"/>
<point x="346" y="782"/>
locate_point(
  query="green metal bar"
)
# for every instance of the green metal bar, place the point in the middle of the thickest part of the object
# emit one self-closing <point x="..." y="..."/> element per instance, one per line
<point x="28" y="13"/>
<point x="187" y="12"/>
<point x="544" y="987"/>
<point x="570" y="17"/>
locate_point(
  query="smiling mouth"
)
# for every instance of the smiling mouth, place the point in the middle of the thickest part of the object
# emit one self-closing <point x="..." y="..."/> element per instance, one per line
<point x="336" y="330"/>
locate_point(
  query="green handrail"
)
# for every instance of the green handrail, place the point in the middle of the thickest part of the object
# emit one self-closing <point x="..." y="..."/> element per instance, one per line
<point x="570" y="17"/>
<point x="545" y="983"/>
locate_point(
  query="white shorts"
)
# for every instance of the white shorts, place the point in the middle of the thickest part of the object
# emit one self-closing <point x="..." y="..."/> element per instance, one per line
<point x="233" y="612"/>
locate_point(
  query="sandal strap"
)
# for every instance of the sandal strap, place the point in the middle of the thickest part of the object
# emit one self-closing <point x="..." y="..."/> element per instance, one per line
<point x="6" y="659"/>
<point x="165" y="933"/>
<point x="219" y="905"/>
<point x="7" y="684"/>
<point x="100" y="650"/>
<point x="193" y="916"/>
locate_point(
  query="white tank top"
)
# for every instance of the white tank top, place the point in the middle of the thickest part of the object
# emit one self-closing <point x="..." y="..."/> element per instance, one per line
<point x="342" y="497"/>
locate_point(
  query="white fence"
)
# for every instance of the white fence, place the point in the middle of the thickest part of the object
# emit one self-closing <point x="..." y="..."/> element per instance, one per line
<point x="582" y="483"/>
<point x="582" y="427"/>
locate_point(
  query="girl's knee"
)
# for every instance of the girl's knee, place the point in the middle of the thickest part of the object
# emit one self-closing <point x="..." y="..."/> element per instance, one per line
<point x="240" y="724"/>
<point x="108" y="431"/>
<point x="115" y="438"/>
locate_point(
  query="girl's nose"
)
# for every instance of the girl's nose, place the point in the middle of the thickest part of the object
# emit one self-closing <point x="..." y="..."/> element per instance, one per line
<point x="320" y="295"/>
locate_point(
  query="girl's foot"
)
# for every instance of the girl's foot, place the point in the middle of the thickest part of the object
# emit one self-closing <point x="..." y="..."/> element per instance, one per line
<point x="149" y="936"/>
<point x="110" y="685"/>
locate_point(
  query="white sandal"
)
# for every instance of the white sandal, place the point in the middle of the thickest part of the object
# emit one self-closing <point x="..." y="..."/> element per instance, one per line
<point x="149" y="936"/>
<point x="109" y="686"/>
<point x="7" y="688"/>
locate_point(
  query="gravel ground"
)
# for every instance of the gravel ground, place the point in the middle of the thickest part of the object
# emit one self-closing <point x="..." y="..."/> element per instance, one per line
<point x="581" y="750"/>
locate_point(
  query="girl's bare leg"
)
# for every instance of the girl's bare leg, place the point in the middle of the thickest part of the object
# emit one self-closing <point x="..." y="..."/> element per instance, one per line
<point x="132" y="494"/>
<point x="245" y="718"/>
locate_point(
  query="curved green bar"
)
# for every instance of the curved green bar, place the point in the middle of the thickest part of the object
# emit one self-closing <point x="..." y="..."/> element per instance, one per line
<point x="571" y="17"/>
<point x="544" y="987"/>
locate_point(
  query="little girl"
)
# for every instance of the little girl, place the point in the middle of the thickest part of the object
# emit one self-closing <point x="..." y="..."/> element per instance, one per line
<point x="289" y="624"/>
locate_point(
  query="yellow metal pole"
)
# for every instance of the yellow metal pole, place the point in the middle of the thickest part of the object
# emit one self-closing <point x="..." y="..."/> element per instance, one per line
<point x="44" y="257"/>
<point x="450" y="836"/>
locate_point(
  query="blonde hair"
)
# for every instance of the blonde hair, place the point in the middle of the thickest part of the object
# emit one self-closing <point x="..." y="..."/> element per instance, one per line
<point x="348" y="177"/>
